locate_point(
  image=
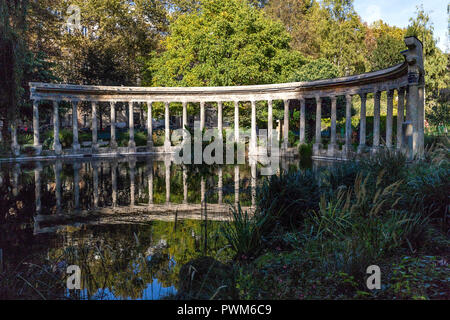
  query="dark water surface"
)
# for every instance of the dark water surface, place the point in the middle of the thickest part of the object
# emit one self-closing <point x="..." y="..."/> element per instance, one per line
<point x="129" y="223"/>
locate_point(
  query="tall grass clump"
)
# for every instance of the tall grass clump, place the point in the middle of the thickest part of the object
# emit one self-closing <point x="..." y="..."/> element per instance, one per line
<point x="244" y="232"/>
<point x="288" y="198"/>
<point x="356" y="227"/>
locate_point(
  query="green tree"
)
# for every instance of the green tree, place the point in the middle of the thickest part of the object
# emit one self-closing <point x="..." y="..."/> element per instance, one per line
<point x="343" y="37"/>
<point x="436" y="62"/>
<point x="303" y="20"/>
<point x="226" y="43"/>
<point x="316" y="70"/>
<point x="384" y="44"/>
<point x="22" y="57"/>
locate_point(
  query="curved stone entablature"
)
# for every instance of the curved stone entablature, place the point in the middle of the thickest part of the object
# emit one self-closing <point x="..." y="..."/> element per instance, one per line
<point x="407" y="79"/>
<point x="383" y="80"/>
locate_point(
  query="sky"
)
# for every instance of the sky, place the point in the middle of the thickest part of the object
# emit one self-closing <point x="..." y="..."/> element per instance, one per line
<point x="398" y="12"/>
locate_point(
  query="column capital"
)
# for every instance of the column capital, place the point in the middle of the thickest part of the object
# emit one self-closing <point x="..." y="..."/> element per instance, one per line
<point x="401" y="90"/>
<point x="348" y="96"/>
<point x="363" y="95"/>
<point x="333" y="99"/>
<point x="390" y="93"/>
<point x="318" y="98"/>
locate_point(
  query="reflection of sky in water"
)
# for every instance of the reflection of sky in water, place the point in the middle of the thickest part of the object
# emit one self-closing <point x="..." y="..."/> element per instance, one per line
<point x="153" y="291"/>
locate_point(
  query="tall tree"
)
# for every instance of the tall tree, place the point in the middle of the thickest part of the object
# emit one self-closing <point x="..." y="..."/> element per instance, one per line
<point x="436" y="62"/>
<point x="303" y="20"/>
<point x="227" y="42"/>
<point x="343" y="37"/>
<point x="384" y="44"/>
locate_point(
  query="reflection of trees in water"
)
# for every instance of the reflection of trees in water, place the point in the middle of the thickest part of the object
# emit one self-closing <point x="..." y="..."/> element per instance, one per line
<point x="126" y="259"/>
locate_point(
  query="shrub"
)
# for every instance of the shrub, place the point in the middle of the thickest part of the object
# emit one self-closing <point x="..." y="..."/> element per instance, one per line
<point x="243" y="233"/>
<point x="288" y="198"/>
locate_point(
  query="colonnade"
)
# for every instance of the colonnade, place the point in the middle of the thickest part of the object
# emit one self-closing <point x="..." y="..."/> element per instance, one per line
<point x="332" y="150"/>
<point x="407" y="79"/>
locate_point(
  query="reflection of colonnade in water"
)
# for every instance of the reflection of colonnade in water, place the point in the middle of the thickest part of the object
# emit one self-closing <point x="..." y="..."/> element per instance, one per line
<point x="213" y="196"/>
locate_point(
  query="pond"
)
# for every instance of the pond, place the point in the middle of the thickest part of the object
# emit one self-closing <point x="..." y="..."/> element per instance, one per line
<point x="129" y="223"/>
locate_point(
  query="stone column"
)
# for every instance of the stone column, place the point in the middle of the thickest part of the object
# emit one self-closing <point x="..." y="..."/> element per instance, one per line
<point x="113" y="141"/>
<point x="421" y="120"/>
<point x="408" y="109"/>
<point x="318" y="144"/>
<point x="131" y="142"/>
<point x="220" y="185"/>
<point x="15" y="148"/>
<point x="236" y="184"/>
<point x="95" y="183"/>
<point x="15" y="179"/>
<point x="185" y="185"/>
<point x="150" y="181"/>
<point x="167" y="143"/>
<point x="236" y="121"/>
<point x="400" y="116"/>
<point x="57" y="171"/>
<point x="149" y="126"/>
<point x="389" y="118"/>
<point x="76" y="184"/>
<point x="132" y="165"/>
<point x="75" y="144"/>
<point x="376" y="121"/>
<point x="363" y="123"/>
<point x="114" y="183"/>
<point x="56" y="143"/>
<point x="253" y="146"/>
<point x="94" y="128"/>
<point x="202" y="116"/>
<point x="416" y="96"/>
<point x="253" y="183"/>
<point x="270" y="126"/>
<point x="37" y="187"/>
<point x="286" y="126"/>
<point x="348" y="126"/>
<point x="202" y="192"/>
<point x="413" y="106"/>
<point x="167" y="164"/>
<point x="185" y="122"/>
<point x="220" y="119"/>
<point x="37" y="146"/>
<point x="302" y="121"/>
<point x="332" y="147"/>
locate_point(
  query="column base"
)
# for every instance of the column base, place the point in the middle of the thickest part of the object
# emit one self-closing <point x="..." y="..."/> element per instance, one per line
<point x="15" y="149"/>
<point x="316" y="149"/>
<point x="167" y="146"/>
<point x="332" y="150"/>
<point x="375" y="150"/>
<point x="150" y="146"/>
<point x="362" y="148"/>
<point x="347" y="149"/>
<point x="37" y="150"/>
<point x="58" y="149"/>
<point x="76" y="148"/>
<point x="95" y="148"/>
<point x="113" y="145"/>
<point x="131" y="147"/>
